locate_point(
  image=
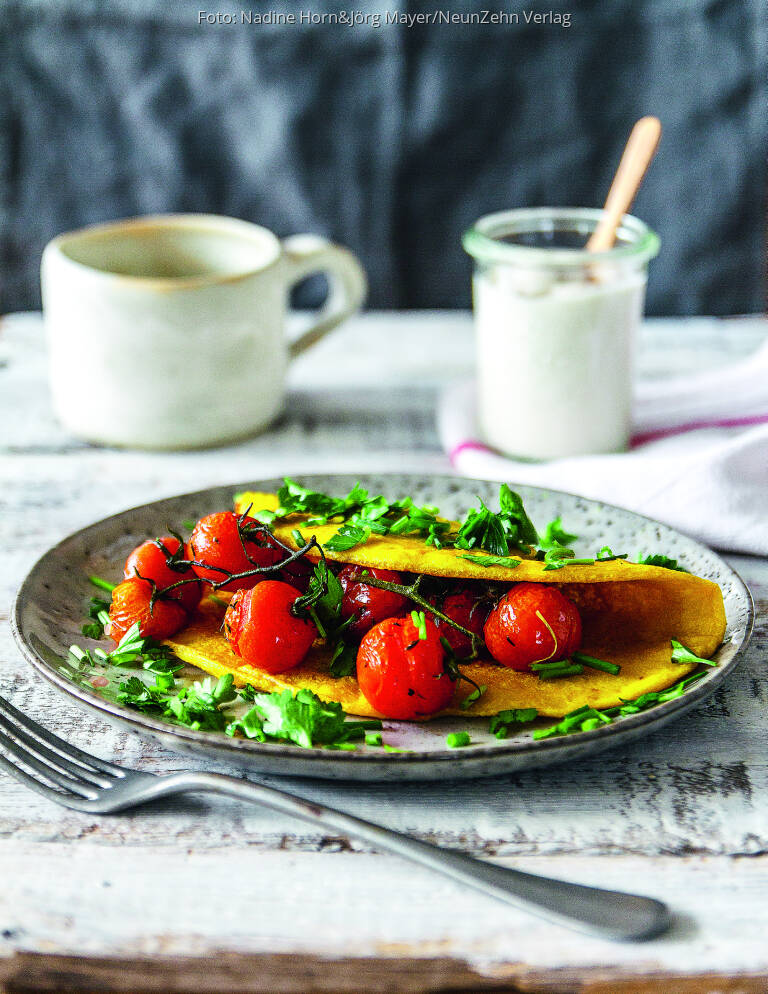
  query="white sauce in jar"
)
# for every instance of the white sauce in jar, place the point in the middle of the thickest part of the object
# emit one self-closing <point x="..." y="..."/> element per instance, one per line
<point x="554" y="359"/>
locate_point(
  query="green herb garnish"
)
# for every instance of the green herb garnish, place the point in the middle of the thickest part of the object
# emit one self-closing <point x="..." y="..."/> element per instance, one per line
<point x="504" y="720"/>
<point x="572" y="722"/>
<point x="664" y="561"/>
<point x="304" y="719"/>
<point x="596" y="664"/>
<point x="457" y="740"/>
<point x="682" y="655"/>
<point x="197" y="707"/>
<point x="98" y="612"/>
<point x="607" y="555"/>
<point x="652" y="698"/>
<point x="132" y="648"/>
<point x="554" y="534"/>
<point x="347" y="537"/>
<point x="360" y="515"/>
<point x="553" y="671"/>
<point x="473" y="696"/>
<point x="558" y="556"/>
<point x="102" y="584"/>
<point x="488" y="561"/>
<point x="419" y="620"/>
<point x="498" y="533"/>
<point x="322" y="602"/>
<point x="343" y="660"/>
<point x="586" y="718"/>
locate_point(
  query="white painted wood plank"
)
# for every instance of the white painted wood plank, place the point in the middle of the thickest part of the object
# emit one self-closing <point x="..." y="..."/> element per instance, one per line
<point x="89" y="900"/>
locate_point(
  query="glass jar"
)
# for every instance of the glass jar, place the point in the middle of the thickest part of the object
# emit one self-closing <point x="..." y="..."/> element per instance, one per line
<point x="555" y="327"/>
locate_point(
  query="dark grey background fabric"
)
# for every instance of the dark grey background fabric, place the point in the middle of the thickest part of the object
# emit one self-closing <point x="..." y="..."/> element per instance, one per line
<point x="390" y="140"/>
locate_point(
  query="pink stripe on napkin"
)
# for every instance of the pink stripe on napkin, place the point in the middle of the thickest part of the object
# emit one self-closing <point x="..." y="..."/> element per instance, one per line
<point x="467" y="445"/>
<point x="651" y="436"/>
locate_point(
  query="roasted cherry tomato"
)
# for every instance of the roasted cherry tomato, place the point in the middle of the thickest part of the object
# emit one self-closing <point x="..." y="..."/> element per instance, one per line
<point x="468" y="610"/>
<point x="369" y="604"/>
<point x="131" y="603"/>
<point x="219" y="541"/>
<point x="298" y="573"/>
<point x="400" y="674"/>
<point x="149" y="561"/>
<point x="260" y="628"/>
<point x="532" y="623"/>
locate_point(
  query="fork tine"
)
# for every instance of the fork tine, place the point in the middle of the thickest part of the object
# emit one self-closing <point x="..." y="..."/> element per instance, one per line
<point x="34" y="784"/>
<point x="28" y="758"/>
<point x="55" y="759"/>
<point x="69" y="751"/>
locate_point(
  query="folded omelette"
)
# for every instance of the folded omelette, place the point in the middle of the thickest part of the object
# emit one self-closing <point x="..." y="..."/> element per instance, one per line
<point x="630" y="612"/>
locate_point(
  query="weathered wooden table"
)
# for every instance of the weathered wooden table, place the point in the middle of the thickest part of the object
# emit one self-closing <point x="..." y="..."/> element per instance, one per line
<point x="211" y="895"/>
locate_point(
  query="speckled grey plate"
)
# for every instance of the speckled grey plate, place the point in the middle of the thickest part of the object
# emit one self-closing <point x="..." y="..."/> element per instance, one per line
<point x="50" y="607"/>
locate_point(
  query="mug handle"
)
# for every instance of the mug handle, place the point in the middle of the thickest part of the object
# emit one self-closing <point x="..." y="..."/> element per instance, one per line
<point x="348" y="285"/>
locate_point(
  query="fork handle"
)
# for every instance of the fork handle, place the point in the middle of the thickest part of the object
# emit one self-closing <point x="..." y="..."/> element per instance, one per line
<point x="609" y="913"/>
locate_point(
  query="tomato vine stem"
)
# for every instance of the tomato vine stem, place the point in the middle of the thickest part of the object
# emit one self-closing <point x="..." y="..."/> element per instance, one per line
<point x="411" y="591"/>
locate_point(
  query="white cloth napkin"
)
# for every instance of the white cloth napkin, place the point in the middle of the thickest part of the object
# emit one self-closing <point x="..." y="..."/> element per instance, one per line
<point x="699" y="456"/>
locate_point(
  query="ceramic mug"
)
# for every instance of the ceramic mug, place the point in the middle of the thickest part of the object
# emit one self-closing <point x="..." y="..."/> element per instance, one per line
<point x="169" y="331"/>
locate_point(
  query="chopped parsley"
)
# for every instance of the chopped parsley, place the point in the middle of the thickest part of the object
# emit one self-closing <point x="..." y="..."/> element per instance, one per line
<point x="488" y="561"/>
<point x="682" y="655"/>
<point x="664" y="561"/>
<point x="98" y="612"/>
<point x="132" y="648"/>
<point x="303" y="719"/>
<point x="559" y="556"/>
<point x="347" y="537"/>
<point x="360" y="515"/>
<point x="498" y="533"/>
<point x="554" y="534"/>
<point x="322" y="602"/>
<point x="343" y="659"/>
<point x="196" y="707"/>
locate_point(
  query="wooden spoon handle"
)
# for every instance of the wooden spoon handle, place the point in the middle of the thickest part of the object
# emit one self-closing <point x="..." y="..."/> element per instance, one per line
<point x="638" y="152"/>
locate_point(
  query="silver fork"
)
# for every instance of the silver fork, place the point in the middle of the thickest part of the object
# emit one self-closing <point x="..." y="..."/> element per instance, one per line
<point x="67" y="775"/>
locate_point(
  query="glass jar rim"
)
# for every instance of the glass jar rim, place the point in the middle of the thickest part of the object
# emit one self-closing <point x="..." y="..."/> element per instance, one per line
<point x="481" y="241"/>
